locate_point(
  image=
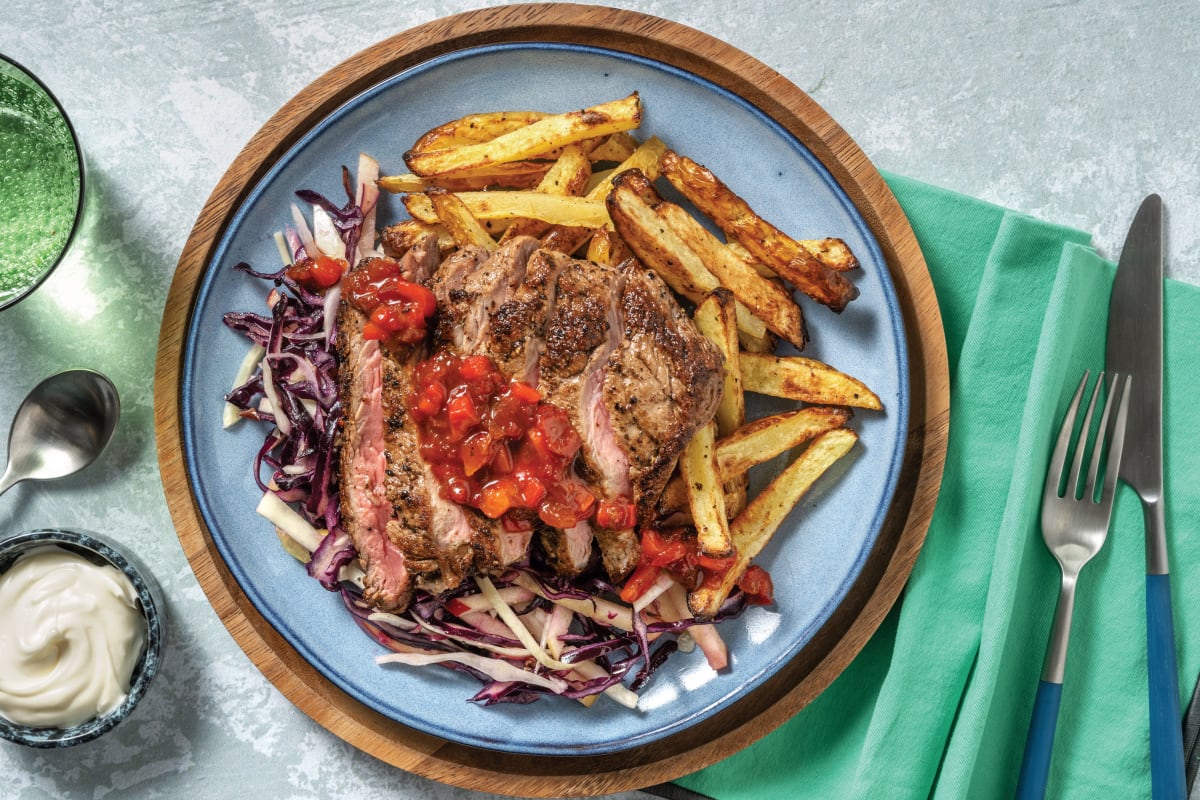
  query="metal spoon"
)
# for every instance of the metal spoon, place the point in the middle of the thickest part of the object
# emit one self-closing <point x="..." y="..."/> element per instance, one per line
<point x="61" y="427"/>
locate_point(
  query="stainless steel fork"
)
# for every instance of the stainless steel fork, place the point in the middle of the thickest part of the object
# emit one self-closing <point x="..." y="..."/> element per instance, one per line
<point x="1075" y="521"/>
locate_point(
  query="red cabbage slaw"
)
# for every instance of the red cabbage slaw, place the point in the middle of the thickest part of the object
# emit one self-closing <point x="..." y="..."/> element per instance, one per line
<point x="522" y="634"/>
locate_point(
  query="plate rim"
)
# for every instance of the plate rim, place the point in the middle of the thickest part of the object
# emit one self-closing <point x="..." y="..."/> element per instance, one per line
<point x="889" y="562"/>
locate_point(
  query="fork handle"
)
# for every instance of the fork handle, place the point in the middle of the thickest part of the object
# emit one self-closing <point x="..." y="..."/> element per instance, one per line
<point x="1166" y="745"/>
<point x="1039" y="745"/>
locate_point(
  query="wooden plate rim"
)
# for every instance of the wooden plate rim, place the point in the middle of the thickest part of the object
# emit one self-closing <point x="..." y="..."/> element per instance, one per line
<point x="886" y="569"/>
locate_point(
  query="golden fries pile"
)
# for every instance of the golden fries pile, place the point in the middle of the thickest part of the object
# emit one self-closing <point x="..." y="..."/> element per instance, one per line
<point x="582" y="184"/>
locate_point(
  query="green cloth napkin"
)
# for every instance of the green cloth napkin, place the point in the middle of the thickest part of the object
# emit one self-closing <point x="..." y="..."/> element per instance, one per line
<point x="938" y="702"/>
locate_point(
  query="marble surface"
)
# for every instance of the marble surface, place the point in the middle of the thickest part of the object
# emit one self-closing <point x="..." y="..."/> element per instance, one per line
<point x="1068" y="111"/>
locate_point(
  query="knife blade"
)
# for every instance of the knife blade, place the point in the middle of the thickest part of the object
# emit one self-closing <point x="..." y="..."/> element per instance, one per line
<point x="1135" y="347"/>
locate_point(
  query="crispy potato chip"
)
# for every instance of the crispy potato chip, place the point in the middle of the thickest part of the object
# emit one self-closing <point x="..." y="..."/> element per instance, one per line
<point x="799" y="378"/>
<point x="765" y="242"/>
<point x="706" y="496"/>
<point x="758" y="344"/>
<point x="754" y="527"/>
<point x="535" y="139"/>
<point x="458" y="220"/>
<point x="606" y="247"/>
<point x="833" y="253"/>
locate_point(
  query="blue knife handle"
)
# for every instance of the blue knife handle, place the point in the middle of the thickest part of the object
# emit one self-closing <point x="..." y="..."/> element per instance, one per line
<point x="1039" y="745"/>
<point x="1166" y="744"/>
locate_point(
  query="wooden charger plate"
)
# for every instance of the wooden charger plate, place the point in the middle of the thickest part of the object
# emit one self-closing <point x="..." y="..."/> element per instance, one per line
<point x="888" y="564"/>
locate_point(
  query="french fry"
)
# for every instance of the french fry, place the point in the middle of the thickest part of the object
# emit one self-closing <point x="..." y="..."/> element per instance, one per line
<point x="474" y="128"/>
<point x="765" y="242"/>
<point x="605" y="247"/>
<point x="754" y="443"/>
<point x="758" y="344"/>
<point x="518" y="175"/>
<point x="644" y="158"/>
<point x="568" y="176"/>
<point x="806" y="379"/>
<point x="453" y="213"/>
<point x="768" y="301"/>
<point x="755" y="526"/>
<point x="716" y="318"/>
<point x="762" y="439"/>
<point x="615" y="148"/>
<point x="706" y="497"/>
<point x="658" y="247"/>
<point x="485" y="206"/>
<point x="833" y="253"/>
<point x="535" y="139"/>
<point x="398" y="239"/>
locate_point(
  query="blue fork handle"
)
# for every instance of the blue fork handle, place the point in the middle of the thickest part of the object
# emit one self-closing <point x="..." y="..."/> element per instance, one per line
<point x="1039" y="745"/>
<point x="1166" y="745"/>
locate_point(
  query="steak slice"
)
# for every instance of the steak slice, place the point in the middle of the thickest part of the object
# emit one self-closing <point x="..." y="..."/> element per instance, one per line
<point x="662" y="384"/>
<point x="363" y="464"/>
<point x="516" y="335"/>
<point x="471" y="285"/>
<point x="407" y="534"/>
<point x="582" y="331"/>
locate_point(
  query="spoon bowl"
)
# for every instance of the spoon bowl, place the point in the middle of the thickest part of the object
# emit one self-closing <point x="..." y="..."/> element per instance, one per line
<point x="61" y="427"/>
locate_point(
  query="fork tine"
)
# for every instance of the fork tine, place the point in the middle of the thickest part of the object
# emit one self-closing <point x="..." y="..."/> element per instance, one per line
<point x="1116" y="441"/>
<point x="1059" y="458"/>
<point x="1081" y="445"/>
<point x="1103" y="434"/>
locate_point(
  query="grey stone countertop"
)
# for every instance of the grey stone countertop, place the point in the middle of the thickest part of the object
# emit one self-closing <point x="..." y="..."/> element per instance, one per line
<point x="1071" y="112"/>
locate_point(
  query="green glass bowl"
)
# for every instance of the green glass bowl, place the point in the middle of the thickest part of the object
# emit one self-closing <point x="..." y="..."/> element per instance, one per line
<point x="41" y="182"/>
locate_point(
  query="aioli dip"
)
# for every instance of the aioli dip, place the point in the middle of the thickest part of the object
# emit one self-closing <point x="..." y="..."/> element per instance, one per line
<point x="70" y="635"/>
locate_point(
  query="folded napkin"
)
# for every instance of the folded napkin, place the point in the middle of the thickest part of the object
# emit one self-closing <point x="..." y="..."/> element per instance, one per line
<point x="938" y="702"/>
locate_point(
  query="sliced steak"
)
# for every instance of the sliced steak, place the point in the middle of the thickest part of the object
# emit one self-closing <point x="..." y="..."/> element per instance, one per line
<point x="582" y="331"/>
<point x="661" y="384"/>
<point x="363" y="464"/>
<point x="471" y="285"/>
<point x="516" y="335"/>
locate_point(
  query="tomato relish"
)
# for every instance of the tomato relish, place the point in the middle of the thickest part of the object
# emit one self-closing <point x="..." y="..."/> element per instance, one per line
<point x="399" y="310"/>
<point x="493" y="444"/>
<point x="676" y="551"/>
<point x="318" y="274"/>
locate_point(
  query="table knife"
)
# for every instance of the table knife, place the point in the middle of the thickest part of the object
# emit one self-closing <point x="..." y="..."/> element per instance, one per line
<point x="1135" y="347"/>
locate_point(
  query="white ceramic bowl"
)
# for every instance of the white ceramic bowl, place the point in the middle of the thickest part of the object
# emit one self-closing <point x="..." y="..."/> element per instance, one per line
<point x="101" y="551"/>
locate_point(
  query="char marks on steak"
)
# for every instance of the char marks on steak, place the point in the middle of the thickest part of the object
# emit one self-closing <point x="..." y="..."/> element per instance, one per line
<point x="608" y="345"/>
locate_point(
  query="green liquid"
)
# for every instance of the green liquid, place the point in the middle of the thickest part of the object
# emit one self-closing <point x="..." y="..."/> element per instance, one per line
<point x="39" y="183"/>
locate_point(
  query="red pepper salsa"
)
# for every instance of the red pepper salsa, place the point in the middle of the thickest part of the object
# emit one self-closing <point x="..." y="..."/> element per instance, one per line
<point x="399" y="310"/>
<point x="494" y="445"/>
<point x="676" y="551"/>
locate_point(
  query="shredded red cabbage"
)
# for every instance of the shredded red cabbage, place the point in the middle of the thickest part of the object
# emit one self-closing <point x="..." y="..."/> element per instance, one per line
<point x="298" y="452"/>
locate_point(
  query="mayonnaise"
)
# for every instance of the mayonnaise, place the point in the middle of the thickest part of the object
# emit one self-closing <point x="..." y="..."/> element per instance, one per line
<point x="70" y="635"/>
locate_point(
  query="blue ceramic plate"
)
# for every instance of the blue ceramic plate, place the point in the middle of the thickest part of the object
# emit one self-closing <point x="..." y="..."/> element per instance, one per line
<point x="814" y="559"/>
